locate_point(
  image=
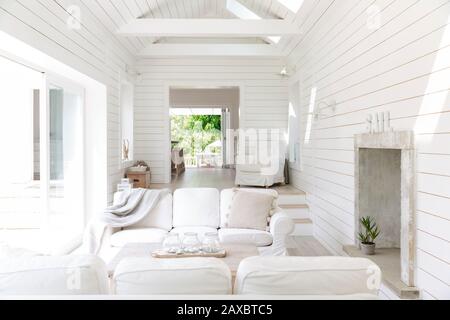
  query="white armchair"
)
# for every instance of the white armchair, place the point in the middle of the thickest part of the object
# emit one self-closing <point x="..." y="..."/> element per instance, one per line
<point x="257" y="175"/>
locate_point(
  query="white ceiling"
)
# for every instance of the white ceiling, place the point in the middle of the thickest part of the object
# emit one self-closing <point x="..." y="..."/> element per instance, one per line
<point x="114" y="14"/>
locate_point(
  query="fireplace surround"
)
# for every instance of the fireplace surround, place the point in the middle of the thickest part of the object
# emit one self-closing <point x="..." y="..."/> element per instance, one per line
<point x="385" y="188"/>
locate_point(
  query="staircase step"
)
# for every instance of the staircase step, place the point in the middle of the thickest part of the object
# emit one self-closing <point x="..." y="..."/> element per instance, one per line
<point x="294" y="206"/>
<point x="303" y="227"/>
<point x="284" y="199"/>
<point x="297" y="211"/>
<point x="303" y="221"/>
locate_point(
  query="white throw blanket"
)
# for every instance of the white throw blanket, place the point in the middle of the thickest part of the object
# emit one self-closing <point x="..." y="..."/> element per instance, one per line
<point x="129" y="209"/>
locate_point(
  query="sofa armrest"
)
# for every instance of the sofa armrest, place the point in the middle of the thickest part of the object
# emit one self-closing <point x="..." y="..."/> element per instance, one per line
<point x="281" y="224"/>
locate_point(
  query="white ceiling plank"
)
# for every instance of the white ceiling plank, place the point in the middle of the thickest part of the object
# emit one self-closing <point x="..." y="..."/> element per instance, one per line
<point x="164" y="7"/>
<point x="174" y="8"/>
<point x="144" y="8"/>
<point x="114" y="19"/>
<point x="128" y="14"/>
<point x="100" y="15"/>
<point x="154" y="10"/>
<point x="202" y="49"/>
<point x="207" y="28"/>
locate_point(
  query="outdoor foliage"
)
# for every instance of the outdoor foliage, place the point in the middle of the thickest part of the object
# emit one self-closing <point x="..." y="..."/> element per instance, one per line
<point x="194" y="133"/>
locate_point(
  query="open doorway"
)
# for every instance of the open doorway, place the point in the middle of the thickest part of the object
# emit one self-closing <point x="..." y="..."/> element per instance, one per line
<point x="199" y="134"/>
<point x="201" y="120"/>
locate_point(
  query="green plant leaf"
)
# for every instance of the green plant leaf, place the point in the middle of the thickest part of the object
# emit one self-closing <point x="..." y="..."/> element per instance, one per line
<point x="371" y="230"/>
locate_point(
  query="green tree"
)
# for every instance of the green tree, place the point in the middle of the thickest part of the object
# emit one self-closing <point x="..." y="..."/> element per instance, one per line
<point x="194" y="133"/>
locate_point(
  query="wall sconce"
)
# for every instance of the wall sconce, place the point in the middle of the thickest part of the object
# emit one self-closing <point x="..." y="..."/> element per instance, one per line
<point x="321" y="106"/>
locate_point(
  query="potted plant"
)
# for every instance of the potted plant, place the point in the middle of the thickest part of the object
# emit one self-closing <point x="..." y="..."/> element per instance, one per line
<point x="368" y="235"/>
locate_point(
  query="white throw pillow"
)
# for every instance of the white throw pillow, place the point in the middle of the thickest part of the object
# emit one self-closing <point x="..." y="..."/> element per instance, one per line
<point x="250" y="210"/>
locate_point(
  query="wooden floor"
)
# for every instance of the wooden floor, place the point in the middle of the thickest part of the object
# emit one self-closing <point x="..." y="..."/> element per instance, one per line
<point x="306" y="247"/>
<point x="213" y="178"/>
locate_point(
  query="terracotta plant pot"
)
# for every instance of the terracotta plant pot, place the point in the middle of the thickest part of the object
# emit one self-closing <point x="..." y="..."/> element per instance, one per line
<point x="368" y="249"/>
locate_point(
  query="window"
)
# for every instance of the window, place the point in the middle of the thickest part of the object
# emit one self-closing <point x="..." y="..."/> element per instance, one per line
<point x="294" y="127"/>
<point x="127" y="122"/>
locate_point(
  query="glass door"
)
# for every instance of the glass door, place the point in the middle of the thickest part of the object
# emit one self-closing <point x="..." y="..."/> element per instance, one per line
<point x="64" y="165"/>
<point x="41" y="167"/>
<point x="20" y="186"/>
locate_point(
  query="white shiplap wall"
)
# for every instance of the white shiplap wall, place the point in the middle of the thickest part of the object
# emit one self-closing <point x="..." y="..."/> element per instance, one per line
<point x="93" y="50"/>
<point x="402" y="67"/>
<point x="265" y="98"/>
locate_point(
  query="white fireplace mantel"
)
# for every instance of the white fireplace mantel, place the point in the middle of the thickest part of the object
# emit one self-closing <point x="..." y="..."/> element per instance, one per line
<point x="404" y="141"/>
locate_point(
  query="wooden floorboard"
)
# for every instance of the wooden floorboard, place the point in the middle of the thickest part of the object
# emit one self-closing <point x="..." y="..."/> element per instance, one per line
<point x="306" y="246"/>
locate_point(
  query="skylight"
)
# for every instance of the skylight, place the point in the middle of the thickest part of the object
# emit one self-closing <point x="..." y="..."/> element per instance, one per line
<point x="242" y="12"/>
<point x="292" y="5"/>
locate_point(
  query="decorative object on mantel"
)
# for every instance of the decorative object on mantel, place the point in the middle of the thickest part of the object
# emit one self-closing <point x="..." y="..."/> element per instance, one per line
<point x="125" y="149"/>
<point x="368" y="236"/>
<point x="139" y="175"/>
<point x="379" y="122"/>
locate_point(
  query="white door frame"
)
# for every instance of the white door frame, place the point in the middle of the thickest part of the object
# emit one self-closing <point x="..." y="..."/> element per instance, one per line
<point x="200" y="85"/>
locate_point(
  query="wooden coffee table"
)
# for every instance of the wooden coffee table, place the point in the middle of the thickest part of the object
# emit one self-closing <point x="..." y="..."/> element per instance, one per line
<point x="235" y="254"/>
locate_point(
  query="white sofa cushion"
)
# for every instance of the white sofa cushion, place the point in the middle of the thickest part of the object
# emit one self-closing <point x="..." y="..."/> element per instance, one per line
<point x="196" y="207"/>
<point x="189" y="276"/>
<point x="160" y="217"/>
<point x="137" y="235"/>
<point x="53" y="275"/>
<point x="245" y="236"/>
<point x="321" y="276"/>
<point x="199" y="230"/>
<point x="226" y="198"/>
<point x="250" y="210"/>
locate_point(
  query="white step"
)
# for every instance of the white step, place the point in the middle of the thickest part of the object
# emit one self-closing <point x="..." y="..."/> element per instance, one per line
<point x="291" y="199"/>
<point x="299" y="211"/>
<point x="303" y="227"/>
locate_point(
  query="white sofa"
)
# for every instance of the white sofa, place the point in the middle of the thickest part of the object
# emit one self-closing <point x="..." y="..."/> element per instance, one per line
<point x="201" y="210"/>
<point x="53" y="275"/>
<point x="191" y="276"/>
<point x="309" y="277"/>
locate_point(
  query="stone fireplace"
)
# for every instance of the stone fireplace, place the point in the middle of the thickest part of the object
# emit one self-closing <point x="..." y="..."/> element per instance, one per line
<point x="385" y="190"/>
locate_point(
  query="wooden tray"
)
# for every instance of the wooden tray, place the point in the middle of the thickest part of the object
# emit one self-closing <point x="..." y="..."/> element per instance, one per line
<point x="162" y="254"/>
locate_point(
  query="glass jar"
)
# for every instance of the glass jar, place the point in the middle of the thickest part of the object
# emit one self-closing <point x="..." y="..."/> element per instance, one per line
<point x="190" y="242"/>
<point x="172" y="243"/>
<point x="211" y="243"/>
